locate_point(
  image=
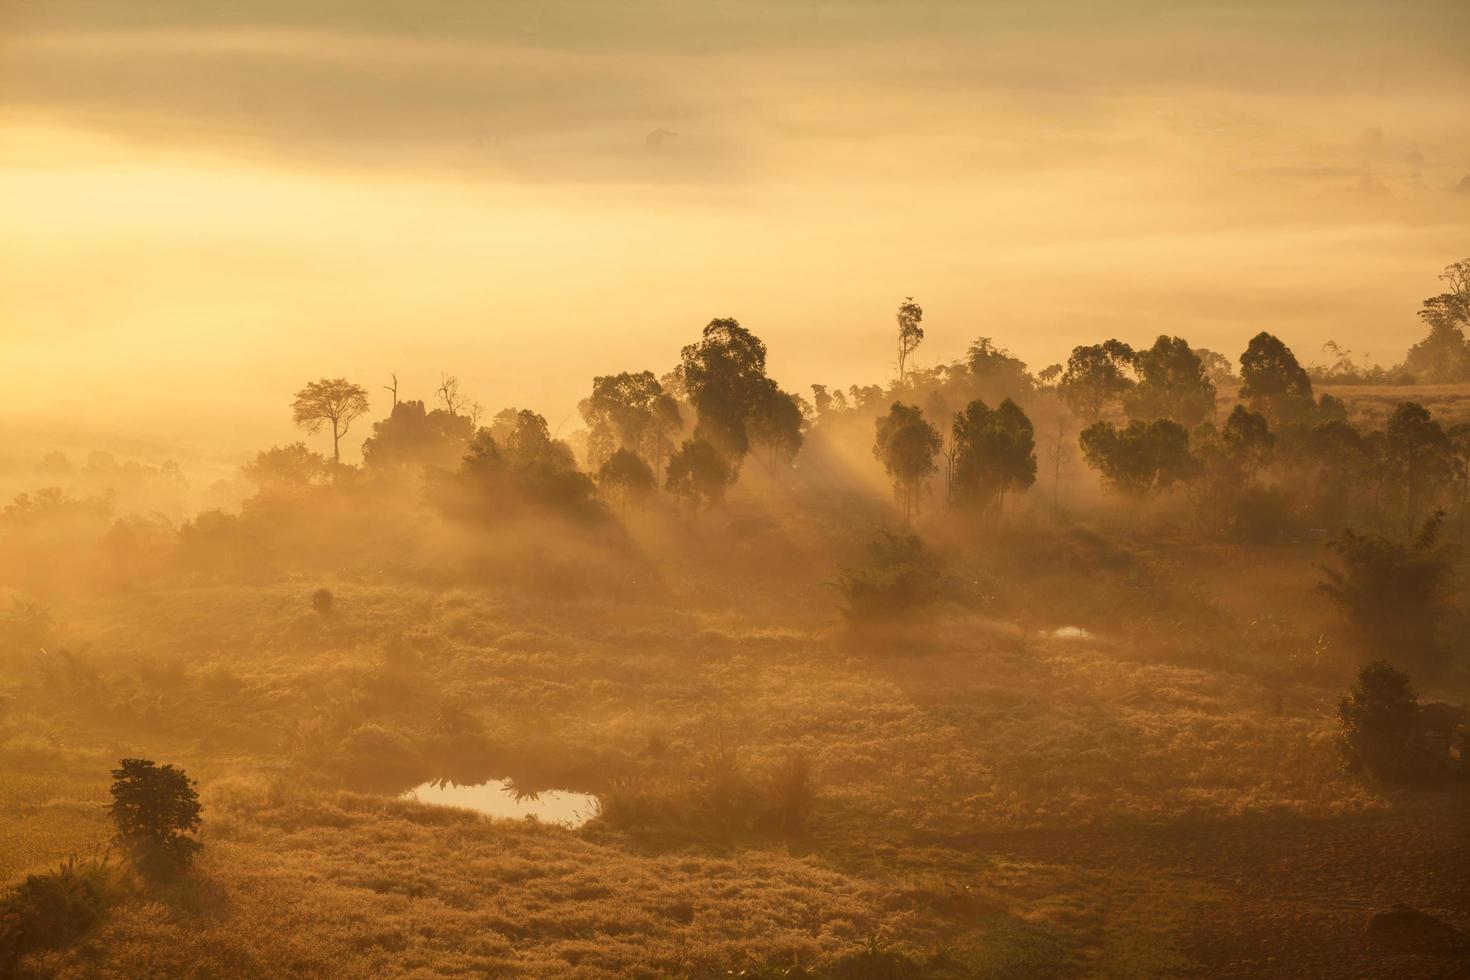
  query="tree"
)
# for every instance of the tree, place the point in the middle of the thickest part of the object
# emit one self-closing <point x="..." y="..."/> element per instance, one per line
<point x="995" y="373"/>
<point x="910" y="332"/>
<point x="1418" y="462"/>
<point x="699" y="474"/>
<point x="1172" y="384"/>
<point x="517" y="463"/>
<point x="629" y="411"/>
<point x="724" y="374"/>
<point x="285" y="468"/>
<point x="901" y="578"/>
<point x="412" y="437"/>
<point x="330" y="400"/>
<point x="1217" y="366"/>
<point x="155" y="809"/>
<point x="623" y="475"/>
<point x="1144" y="458"/>
<point x="1272" y="381"/>
<point x="994" y="452"/>
<point x="1443" y="355"/>
<point x="1378" y="721"/>
<point x="448" y="393"/>
<point x="905" y="444"/>
<point x="776" y="423"/>
<point x="1391" y="596"/>
<point x="1096" y="375"/>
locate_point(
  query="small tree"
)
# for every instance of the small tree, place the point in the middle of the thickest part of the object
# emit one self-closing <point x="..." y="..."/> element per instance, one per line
<point x="699" y="474"/>
<point x="1379" y="724"/>
<point x="155" y="809"/>
<point x="910" y="332"/>
<point x="625" y="475"/>
<point x="331" y="400"/>
<point x="905" y="444"/>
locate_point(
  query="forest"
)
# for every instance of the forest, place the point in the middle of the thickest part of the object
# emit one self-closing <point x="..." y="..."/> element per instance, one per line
<point x="1150" y="662"/>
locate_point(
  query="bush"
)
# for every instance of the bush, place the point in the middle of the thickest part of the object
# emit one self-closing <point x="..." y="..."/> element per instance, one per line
<point x="50" y="910"/>
<point x="321" y="601"/>
<point x="1379" y="721"/>
<point x="902" y="577"/>
<point x="154" y="809"/>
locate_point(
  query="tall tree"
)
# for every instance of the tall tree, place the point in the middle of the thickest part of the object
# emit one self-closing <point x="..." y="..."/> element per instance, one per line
<point x="331" y="400"/>
<point x="1096" y="375"/>
<point x="1172" y="384"/>
<point x="724" y="374"/>
<point x="630" y="411"/>
<point x="775" y="424"/>
<point x="994" y="453"/>
<point x="906" y="444"/>
<point x="910" y="332"/>
<point x="624" y="476"/>
<point x="1273" y="382"/>
<point x="1418" y="461"/>
<point x="699" y="474"/>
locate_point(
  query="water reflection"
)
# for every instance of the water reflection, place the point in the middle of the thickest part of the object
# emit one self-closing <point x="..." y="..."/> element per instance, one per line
<point x="503" y="798"/>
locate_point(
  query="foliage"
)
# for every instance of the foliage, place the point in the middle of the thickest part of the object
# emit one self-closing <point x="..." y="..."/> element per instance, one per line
<point x="1391" y="596"/>
<point x="725" y="375"/>
<point x="523" y="467"/>
<point x="1142" y="459"/>
<point x="1418" y="462"/>
<point x="776" y="424"/>
<point x="331" y="401"/>
<point x="412" y="437"/>
<point x="905" y="444"/>
<point x="699" y="474"/>
<point x="630" y="411"/>
<point x="47" y="911"/>
<point x="1379" y="724"/>
<point x="994" y="373"/>
<point x="910" y="332"/>
<point x="994" y="452"/>
<point x="1096" y="375"/>
<point x="322" y="601"/>
<point x="286" y="468"/>
<point x="1272" y="382"/>
<point x="154" y="810"/>
<point x="901" y="578"/>
<point x="625" y="475"/>
<point x="1172" y="384"/>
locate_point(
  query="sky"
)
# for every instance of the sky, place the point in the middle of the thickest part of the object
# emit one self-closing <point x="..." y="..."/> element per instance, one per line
<point x="208" y="203"/>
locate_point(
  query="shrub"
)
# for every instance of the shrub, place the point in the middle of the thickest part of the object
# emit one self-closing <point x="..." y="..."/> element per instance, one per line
<point x="154" y="809"/>
<point x="1379" y="721"/>
<point x="902" y="577"/>
<point x="321" y="601"/>
<point x="50" y="910"/>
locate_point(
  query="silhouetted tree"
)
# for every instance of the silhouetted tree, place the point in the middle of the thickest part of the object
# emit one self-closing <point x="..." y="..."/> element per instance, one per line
<point x="1391" y="596"/>
<point x="994" y="373"/>
<point x="629" y="411"/>
<point x="1418" y="462"/>
<point x="1272" y="381"/>
<point x="1172" y="384"/>
<point x="625" y="475"/>
<point x="525" y="465"/>
<point x="725" y="374"/>
<point x="1443" y="355"/>
<point x="331" y="400"/>
<point x="1143" y="458"/>
<point x="699" y="474"/>
<point x="411" y="437"/>
<point x="1379" y="725"/>
<point x="1217" y="366"/>
<point x="154" y="810"/>
<point x="910" y="332"/>
<point x="994" y="452"/>
<point x="776" y="423"/>
<point x="1096" y="375"/>
<point x="905" y="444"/>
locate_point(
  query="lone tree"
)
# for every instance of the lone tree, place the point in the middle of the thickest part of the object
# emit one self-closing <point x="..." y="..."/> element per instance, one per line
<point x="334" y="400"/>
<point x="994" y="452"/>
<point x="1273" y="382"/>
<point x="905" y="444"/>
<point x="154" y="809"/>
<point x="910" y="331"/>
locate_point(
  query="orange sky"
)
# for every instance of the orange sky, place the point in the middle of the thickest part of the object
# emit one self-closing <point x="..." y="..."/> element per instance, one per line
<point x="208" y="203"/>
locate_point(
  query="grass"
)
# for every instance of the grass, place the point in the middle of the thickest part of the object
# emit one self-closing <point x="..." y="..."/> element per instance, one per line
<point x="773" y="792"/>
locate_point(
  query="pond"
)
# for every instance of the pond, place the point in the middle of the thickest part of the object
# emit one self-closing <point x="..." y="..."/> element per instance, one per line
<point x="503" y="798"/>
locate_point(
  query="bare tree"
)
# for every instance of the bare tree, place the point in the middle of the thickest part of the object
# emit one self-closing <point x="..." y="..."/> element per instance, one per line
<point x="334" y="400"/>
<point x="393" y="388"/>
<point x="449" y="393"/>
